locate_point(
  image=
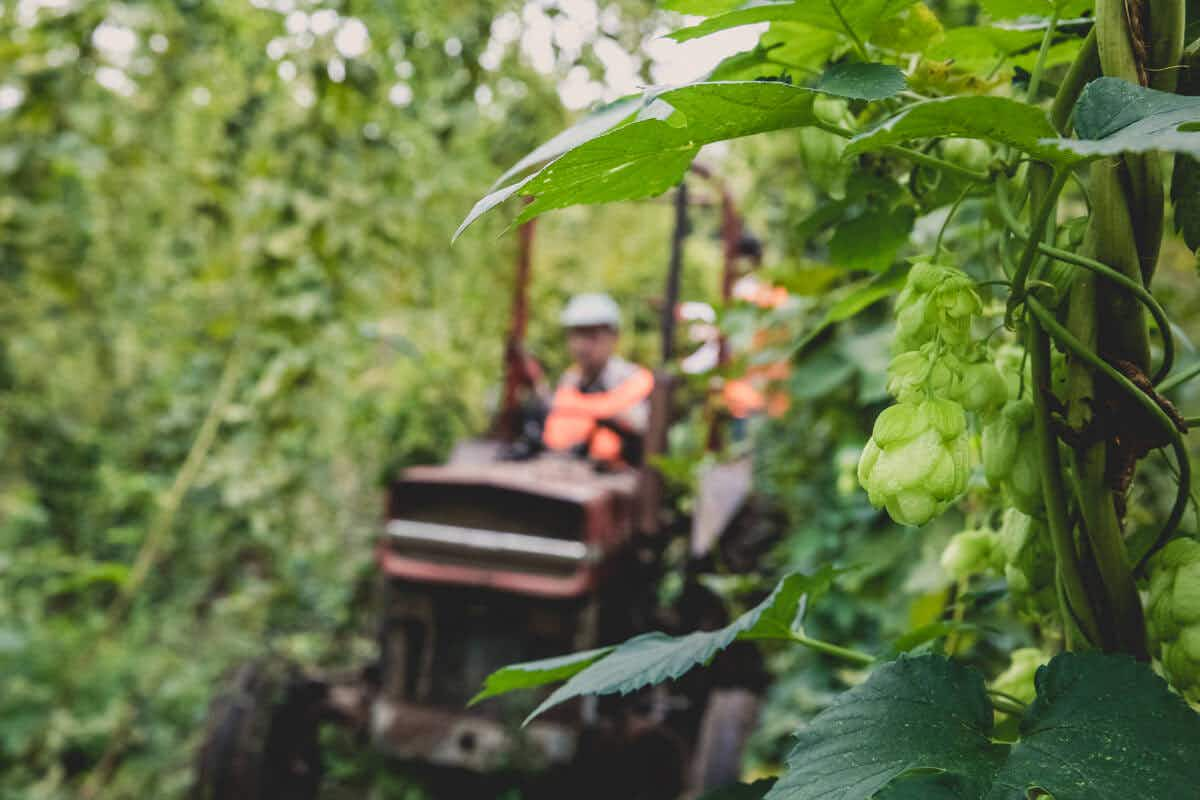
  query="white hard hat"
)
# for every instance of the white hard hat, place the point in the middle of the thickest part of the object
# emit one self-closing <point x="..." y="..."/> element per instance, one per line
<point x="591" y="309"/>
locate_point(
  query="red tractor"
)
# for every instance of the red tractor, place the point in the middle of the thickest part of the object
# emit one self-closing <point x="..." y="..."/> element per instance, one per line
<point x="486" y="561"/>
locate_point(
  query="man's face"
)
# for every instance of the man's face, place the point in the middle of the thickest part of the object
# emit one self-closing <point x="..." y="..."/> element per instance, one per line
<point x="591" y="346"/>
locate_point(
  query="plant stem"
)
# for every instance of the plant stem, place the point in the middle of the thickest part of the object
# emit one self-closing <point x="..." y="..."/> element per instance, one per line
<point x="1168" y="20"/>
<point x="934" y="162"/>
<point x="1078" y="605"/>
<point x="1134" y="287"/>
<point x="1181" y="377"/>
<point x="854" y="656"/>
<point x="859" y="47"/>
<point x="937" y="246"/>
<point x="1035" y="77"/>
<point x="1037" y="232"/>
<point x="1006" y="703"/>
<point x="1178" y="509"/>
<point x="1084" y="69"/>
<point x="915" y="156"/>
<point x="1070" y="343"/>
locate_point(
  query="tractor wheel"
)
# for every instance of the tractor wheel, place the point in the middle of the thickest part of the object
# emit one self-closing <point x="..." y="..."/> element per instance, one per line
<point x="729" y="718"/>
<point x="261" y="740"/>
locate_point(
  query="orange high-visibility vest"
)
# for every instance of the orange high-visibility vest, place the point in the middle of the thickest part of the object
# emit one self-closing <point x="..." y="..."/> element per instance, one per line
<point x="574" y="414"/>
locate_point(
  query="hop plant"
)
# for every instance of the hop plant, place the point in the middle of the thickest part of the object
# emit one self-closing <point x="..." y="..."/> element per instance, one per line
<point x="915" y="463"/>
<point x="1174" y="614"/>
<point x="1010" y="457"/>
<point x="982" y="388"/>
<point x="1017" y="679"/>
<point x="971" y="552"/>
<point x="937" y="302"/>
<point x="975" y="385"/>
<point x="1028" y="564"/>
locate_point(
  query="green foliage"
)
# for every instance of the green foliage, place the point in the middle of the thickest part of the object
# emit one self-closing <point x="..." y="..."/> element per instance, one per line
<point x="1100" y="727"/>
<point x="1114" y="116"/>
<point x="741" y="791"/>
<point x="997" y="119"/>
<point x="862" y="81"/>
<point x="222" y="213"/>
<point x="532" y="674"/>
<point x="912" y="714"/>
<point x="1013" y="9"/>
<point x="228" y="312"/>
<point x="1174" y="613"/>
<point x="861" y="16"/>
<point x="1030" y="357"/>
<point x="654" y="657"/>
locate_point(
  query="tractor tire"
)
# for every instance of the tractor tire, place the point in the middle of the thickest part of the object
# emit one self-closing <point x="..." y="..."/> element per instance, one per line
<point x="729" y="718"/>
<point x="261" y="740"/>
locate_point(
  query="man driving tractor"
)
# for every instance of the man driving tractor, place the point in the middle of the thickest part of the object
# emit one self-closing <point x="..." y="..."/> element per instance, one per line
<point x="601" y="407"/>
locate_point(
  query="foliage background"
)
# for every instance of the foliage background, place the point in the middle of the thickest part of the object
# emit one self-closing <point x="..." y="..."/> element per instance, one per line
<point x="197" y="192"/>
<point x="224" y="219"/>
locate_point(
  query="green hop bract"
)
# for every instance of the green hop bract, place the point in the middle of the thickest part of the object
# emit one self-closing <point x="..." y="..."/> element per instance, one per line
<point x="971" y="552"/>
<point x="1028" y="558"/>
<point x="915" y="464"/>
<point x="1174" y="614"/>
<point x="1010" y="456"/>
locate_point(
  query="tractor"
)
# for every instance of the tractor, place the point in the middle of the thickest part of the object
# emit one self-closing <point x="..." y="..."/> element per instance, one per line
<point x="487" y="560"/>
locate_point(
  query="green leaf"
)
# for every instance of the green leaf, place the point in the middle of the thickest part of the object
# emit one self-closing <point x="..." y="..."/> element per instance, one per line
<point x="1185" y="196"/>
<point x="649" y="156"/>
<point x="1012" y="9"/>
<point x="656" y="657"/>
<point x="861" y="15"/>
<point x="978" y="48"/>
<point x="532" y="674"/>
<point x="704" y="8"/>
<point x="591" y="126"/>
<point x="927" y="633"/>
<point x="924" y="786"/>
<point x="1114" y="116"/>
<point x="924" y="713"/>
<point x="1103" y="728"/>
<point x="1185" y="182"/>
<point x="871" y="240"/>
<point x="862" y="81"/>
<point x="748" y="65"/>
<point x="820" y="373"/>
<point x="801" y="46"/>
<point x="487" y="203"/>
<point x="639" y="160"/>
<point x="741" y="791"/>
<point x="861" y="296"/>
<point x="997" y="119"/>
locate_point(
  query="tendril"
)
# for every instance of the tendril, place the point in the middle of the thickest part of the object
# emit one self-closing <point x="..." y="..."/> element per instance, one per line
<point x="1068" y="341"/>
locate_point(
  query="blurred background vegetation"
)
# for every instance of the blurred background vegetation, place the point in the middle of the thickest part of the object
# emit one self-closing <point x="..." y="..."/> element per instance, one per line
<point x="229" y="310"/>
